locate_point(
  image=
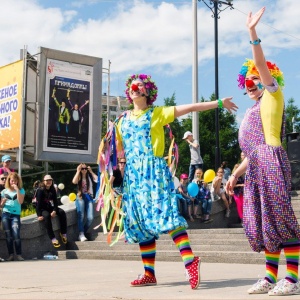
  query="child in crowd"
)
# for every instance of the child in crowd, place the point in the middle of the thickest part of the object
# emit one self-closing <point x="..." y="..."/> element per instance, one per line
<point x="6" y="162"/>
<point x="218" y="191"/>
<point x="186" y="200"/>
<point x="238" y="191"/>
<point x="35" y="187"/>
<point x="203" y="196"/>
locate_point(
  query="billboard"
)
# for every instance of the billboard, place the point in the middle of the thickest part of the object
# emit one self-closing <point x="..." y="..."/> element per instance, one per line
<point x="11" y="83"/>
<point x="68" y="114"/>
<point x="69" y="107"/>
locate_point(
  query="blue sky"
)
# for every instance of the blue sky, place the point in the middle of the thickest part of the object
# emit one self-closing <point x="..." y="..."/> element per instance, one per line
<point x="155" y="37"/>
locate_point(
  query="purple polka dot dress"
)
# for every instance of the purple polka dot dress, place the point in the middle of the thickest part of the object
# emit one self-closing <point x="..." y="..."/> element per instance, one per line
<point x="268" y="216"/>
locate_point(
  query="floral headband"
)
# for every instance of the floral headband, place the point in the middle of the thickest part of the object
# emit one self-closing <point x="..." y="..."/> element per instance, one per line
<point x="149" y="85"/>
<point x="249" y="67"/>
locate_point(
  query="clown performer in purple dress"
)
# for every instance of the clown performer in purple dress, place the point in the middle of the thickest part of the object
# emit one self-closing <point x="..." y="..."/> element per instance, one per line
<point x="149" y="201"/>
<point x="268" y="218"/>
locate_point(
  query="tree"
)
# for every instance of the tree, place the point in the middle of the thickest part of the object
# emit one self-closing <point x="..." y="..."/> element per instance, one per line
<point x="292" y="111"/>
<point x="228" y="137"/>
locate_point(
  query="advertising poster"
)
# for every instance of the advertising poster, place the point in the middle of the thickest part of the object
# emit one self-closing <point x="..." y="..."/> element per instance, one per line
<point x="68" y="107"/>
<point x="11" y="82"/>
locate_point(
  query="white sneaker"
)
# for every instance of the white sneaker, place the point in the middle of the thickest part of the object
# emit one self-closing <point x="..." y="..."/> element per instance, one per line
<point x="262" y="286"/>
<point x="284" y="287"/>
<point x="82" y="237"/>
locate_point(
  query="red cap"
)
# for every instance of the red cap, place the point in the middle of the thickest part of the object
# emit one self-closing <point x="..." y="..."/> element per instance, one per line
<point x="184" y="176"/>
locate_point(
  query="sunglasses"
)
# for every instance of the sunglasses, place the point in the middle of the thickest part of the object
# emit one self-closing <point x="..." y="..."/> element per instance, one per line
<point x="3" y="178"/>
<point x="122" y="162"/>
<point x="84" y="168"/>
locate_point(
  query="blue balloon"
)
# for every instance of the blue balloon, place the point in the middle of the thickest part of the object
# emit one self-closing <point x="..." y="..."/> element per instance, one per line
<point x="193" y="189"/>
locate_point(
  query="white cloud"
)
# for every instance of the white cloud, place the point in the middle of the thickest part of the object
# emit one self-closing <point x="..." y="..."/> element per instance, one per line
<point x="142" y="34"/>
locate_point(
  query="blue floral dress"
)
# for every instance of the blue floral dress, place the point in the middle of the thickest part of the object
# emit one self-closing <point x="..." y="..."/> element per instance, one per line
<point x="149" y="200"/>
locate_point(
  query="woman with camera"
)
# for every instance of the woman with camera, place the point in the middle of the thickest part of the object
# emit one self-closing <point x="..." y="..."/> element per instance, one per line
<point x="12" y="198"/>
<point x="84" y="179"/>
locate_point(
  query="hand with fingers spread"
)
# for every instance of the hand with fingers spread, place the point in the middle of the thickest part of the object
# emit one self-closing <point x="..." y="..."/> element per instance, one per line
<point x="229" y="105"/>
<point x="252" y="20"/>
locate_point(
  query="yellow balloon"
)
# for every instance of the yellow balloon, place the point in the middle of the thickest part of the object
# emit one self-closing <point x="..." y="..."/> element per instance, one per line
<point x="72" y="196"/>
<point x="209" y="175"/>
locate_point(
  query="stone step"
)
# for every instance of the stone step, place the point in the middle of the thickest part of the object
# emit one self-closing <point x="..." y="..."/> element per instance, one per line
<point x="224" y="233"/>
<point x="223" y="245"/>
<point x="242" y="257"/>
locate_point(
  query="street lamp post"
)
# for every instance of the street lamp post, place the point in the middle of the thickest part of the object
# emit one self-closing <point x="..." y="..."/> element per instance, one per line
<point x="107" y="70"/>
<point x="195" y="118"/>
<point x="216" y="8"/>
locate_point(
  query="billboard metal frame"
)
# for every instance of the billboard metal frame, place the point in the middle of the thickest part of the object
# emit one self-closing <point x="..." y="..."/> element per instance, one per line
<point x="44" y="153"/>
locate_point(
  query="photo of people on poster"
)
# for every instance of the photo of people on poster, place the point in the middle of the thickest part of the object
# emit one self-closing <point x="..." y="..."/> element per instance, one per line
<point x="69" y="113"/>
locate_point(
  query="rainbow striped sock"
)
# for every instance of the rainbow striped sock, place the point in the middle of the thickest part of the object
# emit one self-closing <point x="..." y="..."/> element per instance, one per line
<point x="272" y="261"/>
<point x="148" y="251"/>
<point x="182" y="241"/>
<point x="292" y="251"/>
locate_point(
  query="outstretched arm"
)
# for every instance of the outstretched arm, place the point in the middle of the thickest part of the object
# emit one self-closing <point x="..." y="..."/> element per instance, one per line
<point x="258" y="55"/>
<point x="181" y="110"/>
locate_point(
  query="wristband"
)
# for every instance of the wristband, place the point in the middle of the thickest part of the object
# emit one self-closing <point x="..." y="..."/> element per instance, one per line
<point x="255" y="42"/>
<point x="220" y="103"/>
<point x="234" y="176"/>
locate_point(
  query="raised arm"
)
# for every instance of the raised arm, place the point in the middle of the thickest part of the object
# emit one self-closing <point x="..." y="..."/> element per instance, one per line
<point x="258" y="55"/>
<point x="84" y="104"/>
<point x="77" y="175"/>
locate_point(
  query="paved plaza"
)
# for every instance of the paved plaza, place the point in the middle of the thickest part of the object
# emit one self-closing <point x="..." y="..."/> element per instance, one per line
<point x="104" y="279"/>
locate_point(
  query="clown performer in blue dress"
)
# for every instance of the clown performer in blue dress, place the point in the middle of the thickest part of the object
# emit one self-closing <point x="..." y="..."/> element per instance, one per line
<point x="149" y="201"/>
<point x="268" y="217"/>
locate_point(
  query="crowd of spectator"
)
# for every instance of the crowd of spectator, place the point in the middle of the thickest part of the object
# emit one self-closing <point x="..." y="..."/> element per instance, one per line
<point x="47" y="204"/>
<point x="200" y="206"/>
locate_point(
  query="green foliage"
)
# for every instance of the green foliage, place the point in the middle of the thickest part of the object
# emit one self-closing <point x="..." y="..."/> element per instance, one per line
<point x="104" y="125"/>
<point x="292" y="111"/>
<point x="30" y="210"/>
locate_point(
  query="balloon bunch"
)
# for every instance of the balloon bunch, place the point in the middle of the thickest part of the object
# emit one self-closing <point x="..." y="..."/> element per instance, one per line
<point x="68" y="199"/>
<point x="193" y="188"/>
